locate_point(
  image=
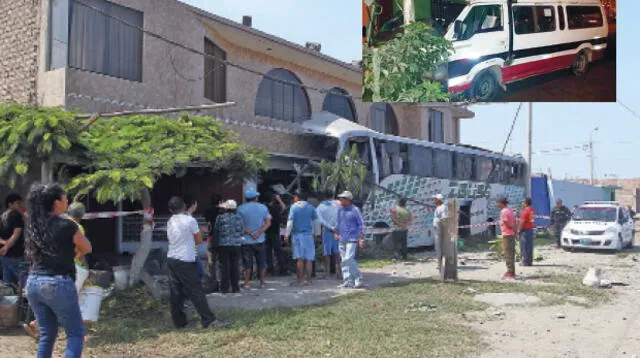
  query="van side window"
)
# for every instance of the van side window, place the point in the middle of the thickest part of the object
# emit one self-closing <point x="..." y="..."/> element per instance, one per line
<point x="581" y="17"/>
<point x="483" y="168"/>
<point x="561" y="17"/>
<point x="533" y="19"/>
<point x="482" y="18"/>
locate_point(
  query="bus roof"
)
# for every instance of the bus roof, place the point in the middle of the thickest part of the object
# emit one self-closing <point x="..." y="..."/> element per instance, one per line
<point x="332" y="125"/>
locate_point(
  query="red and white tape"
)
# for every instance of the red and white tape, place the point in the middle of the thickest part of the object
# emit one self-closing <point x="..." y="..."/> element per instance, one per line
<point x="111" y="214"/>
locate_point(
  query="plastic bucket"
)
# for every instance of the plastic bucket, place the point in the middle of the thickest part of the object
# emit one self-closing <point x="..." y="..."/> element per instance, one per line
<point x="120" y="277"/>
<point x="90" y="300"/>
<point x="81" y="276"/>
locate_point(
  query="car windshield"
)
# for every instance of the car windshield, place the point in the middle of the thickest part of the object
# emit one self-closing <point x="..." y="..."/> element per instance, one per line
<point x="595" y="214"/>
<point x="481" y="18"/>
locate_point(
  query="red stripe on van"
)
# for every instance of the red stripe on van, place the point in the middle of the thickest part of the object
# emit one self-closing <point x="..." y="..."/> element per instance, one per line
<point x="460" y="88"/>
<point x="529" y="69"/>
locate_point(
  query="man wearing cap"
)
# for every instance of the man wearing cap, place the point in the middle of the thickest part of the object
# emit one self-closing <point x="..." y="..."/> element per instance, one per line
<point x="302" y="223"/>
<point x="508" y="229"/>
<point x="256" y="220"/>
<point x="350" y="233"/>
<point x="440" y="216"/>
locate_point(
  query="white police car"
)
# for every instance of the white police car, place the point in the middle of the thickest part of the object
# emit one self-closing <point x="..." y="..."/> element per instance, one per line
<point x="599" y="225"/>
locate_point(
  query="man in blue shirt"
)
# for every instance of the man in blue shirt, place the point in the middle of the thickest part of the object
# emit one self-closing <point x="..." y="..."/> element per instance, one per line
<point x="256" y="220"/>
<point x="350" y="234"/>
<point x="303" y="223"/>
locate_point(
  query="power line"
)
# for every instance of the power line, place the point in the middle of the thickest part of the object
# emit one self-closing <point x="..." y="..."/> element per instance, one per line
<point x="226" y="62"/>
<point x="513" y="124"/>
<point x="635" y="114"/>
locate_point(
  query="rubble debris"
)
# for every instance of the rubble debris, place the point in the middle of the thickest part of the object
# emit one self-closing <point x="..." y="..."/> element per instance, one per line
<point x="561" y="316"/>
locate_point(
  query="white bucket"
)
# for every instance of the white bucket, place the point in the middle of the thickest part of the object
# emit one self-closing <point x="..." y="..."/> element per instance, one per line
<point x="120" y="277"/>
<point x="81" y="276"/>
<point x="90" y="299"/>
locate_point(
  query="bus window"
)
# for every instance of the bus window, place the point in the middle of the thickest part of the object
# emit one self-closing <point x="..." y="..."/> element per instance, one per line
<point x="483" y="168"/>
<point x="397" y="162"/>
<point x="364" y="152"/>
<point x="463" y="166"/>
<point x="404" y="158"/>
<point x="444" y="164"/>
<point x="384" y="159"/>
<point x="420" y="161"/>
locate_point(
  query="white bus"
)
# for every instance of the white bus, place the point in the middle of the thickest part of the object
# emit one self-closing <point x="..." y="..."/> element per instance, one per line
<point x="497" y="42"/>
<point x="418" y="169"/>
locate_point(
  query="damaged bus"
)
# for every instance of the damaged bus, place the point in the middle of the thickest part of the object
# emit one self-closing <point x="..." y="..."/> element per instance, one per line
<point x="418" y="169"/>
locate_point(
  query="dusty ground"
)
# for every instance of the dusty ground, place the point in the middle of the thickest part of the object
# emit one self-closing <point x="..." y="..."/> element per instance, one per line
<point x="516" y="330"/>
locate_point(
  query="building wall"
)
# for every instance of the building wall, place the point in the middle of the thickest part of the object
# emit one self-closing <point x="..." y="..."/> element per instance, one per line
<point x="626" y="195"/>
<point x="19" y="42"/>
<point x="174" y="77"/>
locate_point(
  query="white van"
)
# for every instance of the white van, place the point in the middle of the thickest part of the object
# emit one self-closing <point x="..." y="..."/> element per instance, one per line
<point x="497" y="42"/>
<point x="599" y="225"/>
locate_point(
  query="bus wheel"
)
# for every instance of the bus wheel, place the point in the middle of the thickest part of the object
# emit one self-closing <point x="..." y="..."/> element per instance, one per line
<point x="580" y="64"/>
<point x="485" y="87"/>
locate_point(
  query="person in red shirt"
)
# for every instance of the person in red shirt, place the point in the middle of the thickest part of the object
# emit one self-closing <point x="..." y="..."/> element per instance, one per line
<point x="525" y="232"/>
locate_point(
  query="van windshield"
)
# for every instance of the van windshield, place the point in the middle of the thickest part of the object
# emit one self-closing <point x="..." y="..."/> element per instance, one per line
<point x="595" y="214"/>
<point x="481" y="18"/>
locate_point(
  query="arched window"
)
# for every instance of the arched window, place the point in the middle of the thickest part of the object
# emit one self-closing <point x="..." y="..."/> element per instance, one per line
<point x="382" y="119"/>
<point x="336" y="102"/>
<point x="280" y="97"/>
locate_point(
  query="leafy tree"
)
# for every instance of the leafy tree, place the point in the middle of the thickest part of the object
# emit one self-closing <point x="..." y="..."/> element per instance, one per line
<point x="129" y="154"/>
<point x="405" y="68"/>
<point x="347" y="173"/>
<point x="36" y="135"/>
<point x="122" y="157"/>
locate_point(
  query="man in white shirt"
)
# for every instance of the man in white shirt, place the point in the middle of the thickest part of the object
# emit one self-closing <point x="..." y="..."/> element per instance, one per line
<point x="440" y="216"/>
<point x="328" y="218"/>
<point x="183" y="234"/>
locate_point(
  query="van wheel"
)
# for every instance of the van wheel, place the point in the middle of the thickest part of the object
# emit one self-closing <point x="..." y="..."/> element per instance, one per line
<point x="580" y="64"/>
<point x="485" y="88"/>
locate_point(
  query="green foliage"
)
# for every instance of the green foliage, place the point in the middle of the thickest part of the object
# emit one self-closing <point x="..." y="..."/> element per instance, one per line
<point x="29" y="135"/>
<point x="130" y="153"/>
<point x="407" y="66"/>
<point x="347" y="173"/>
<point x="123" y="156"/>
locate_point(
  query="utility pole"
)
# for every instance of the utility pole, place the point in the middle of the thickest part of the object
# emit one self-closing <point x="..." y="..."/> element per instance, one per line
<point x="528" y="150"/>
<point x="591" y="154"/>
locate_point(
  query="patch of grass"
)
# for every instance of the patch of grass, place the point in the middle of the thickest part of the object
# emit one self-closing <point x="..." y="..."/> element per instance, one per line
<point x="622" y="255"/>
<point x="544" y="240"/>
<point x="377" y="323"/>
<point x="373" y="323"/>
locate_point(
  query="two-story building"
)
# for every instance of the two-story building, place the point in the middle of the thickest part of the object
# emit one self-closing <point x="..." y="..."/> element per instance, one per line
<point x="93" y="56"/>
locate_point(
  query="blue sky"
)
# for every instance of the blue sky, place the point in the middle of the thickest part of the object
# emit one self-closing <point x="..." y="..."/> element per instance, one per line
<point x="337" y="25"/>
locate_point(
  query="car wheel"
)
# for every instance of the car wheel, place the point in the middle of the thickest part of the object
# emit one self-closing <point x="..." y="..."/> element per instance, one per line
<point x="580" y="64"/>
<point x="485" y="88"/>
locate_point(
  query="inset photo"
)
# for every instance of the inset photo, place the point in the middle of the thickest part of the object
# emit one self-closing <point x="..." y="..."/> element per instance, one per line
<point x="489" y="50"/>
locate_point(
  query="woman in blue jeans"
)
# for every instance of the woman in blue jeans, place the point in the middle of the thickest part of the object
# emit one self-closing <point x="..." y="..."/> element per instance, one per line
<point x="51" y="245"/>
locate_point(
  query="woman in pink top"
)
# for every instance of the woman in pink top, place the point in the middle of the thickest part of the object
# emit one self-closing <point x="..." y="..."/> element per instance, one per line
<point x="508" y="228"/>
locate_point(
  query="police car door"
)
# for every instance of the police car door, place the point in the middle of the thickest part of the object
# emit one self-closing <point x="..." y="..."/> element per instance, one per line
<point x="480" y="35"/>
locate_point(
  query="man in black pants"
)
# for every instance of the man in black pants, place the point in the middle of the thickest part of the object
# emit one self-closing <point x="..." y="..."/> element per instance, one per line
<point x="213" y="254"/>
<point x="183" y="234"/>
<point x="274" y="242"/>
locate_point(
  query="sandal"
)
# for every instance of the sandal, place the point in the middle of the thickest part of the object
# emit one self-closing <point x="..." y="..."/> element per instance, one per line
<point x="31" y="331"/>
<point x="246" y="286"/>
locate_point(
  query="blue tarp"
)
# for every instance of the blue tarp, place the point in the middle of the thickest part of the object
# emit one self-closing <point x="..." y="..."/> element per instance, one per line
<point x="541" y="199"/>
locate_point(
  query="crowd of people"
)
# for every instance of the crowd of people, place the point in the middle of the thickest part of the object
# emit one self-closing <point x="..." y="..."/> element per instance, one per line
<point x="250" y="235"/>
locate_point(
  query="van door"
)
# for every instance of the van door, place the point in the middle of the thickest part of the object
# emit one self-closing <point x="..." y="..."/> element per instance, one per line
<point x="482" y="36"/>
